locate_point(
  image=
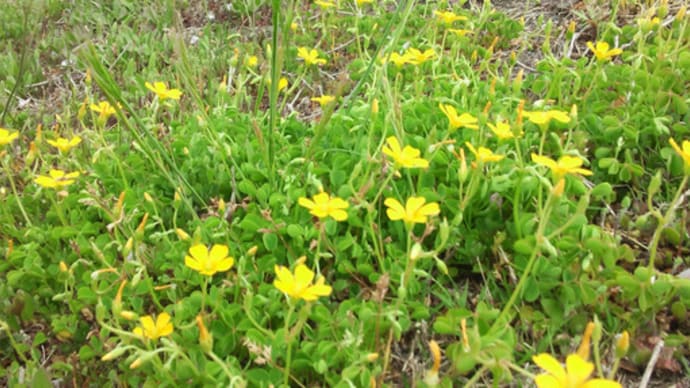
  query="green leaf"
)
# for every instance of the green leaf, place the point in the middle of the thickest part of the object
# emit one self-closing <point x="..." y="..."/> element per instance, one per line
<point x="41" y="379"/>
<point x="270" y="241"/>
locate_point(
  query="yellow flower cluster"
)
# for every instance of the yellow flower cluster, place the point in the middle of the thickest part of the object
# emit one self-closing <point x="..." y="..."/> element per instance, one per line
<point x="411" y="56"/>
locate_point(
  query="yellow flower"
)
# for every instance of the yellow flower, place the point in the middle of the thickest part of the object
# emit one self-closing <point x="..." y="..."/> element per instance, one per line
<point x="483" y="154"/>
<point x="465" y="120"/>
<point x="325" y="4"/>
<point x="362" y="2"/>
<point x="543" y="118"/>
<point x="416" y="57"/>
<point x="6" y="137"/>
<point x="684" y="153"/>
<point x="502" y="130"/>
<point x="323" y="100"/>
<point x="566" y="164"/>
<point x="574" y="375"/>
<point x="407" y="157"/>
<point x="459" y="31"/>
<point x="310" y="57"/>
<point x="416" y="210"/>
<point x="208" y="262"/>
<point x="282" y="83"/>
<point x="163" y="92"/>
<point x="298" y="285"/>
<point x="602" y="51"/>
<point x="104" y="109"/>
<point x="148" y="329"/>
<point x="252" y="61"/>
<point x="65" y="145"/>
<point x="323" y="205"/>
<point x="56" y="179"/>
<point x="397" y="59"/>
<point x="448" y="17"/>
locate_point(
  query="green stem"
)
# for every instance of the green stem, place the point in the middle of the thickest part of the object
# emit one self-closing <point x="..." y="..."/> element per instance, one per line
<point x="317" y="254"/>
<point x="222" y="365"/>
<point x="58" y="208"/>
<point x="288" y="343"/>
<point x="477" y="375"/>
<point x="204" y="287"/>
<point x="664" y="221"/>
<point x="597" y="360"/>
<point x="15" y="192"/>
<point x="6" y="328"/>
<point x="502" y="318"/>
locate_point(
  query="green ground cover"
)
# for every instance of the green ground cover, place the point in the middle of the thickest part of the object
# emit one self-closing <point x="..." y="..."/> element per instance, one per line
<point x="344" y="193"/>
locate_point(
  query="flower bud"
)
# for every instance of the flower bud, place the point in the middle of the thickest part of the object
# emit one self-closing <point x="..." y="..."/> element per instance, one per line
<point x="63" y="266"/>
<point x="113" y="354"/>
<point x="139" y="233"/>
<point x="117" y="302"/>
<point x="416" y="252"/>
<point x="129" y="315"/>
<point x="252" y="251"/>
<point x="596" y="333"/>
<point x="181" y="234"/>
<point x="375" y="106"/>
<point x="371" y="357"/>
<point x="205" y="338"/>
<point x="583" y="350"/>
<point x="622" y="344"/>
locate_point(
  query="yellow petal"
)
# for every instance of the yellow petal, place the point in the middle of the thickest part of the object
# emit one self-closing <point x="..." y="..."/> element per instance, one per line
<point x="225" y="264"/>
<point x="199" y="252"/>
<point x="304" y="202"/>
<point x="218" y="252"/>
<point x="395" y="210"/>
<point x="551" y="365"/>
<point x="547" y="381"/>
<point x="578" y="369"/>
<point x="303" y="275"/>
<point x="601" y="383"/>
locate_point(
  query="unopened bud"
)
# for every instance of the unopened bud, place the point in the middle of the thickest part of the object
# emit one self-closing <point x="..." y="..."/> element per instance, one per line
<point x="463" y="172"/>
<point x="416" y="252"/>
<point x="371" y="357"/>
<point x="140" y="229"/>
<point x="181" y="234"/>
<point x="129" y="315"/>
<point x="252" y="251"/>
<point x="205" y="338"/>
<point x="596" y="333"/>
<point x="622" y="344"/>
<point x="583" y="349"/>
<point x="142" y="359"/>
<point x="113" y="354"/>
<point x="63" y="266"/>
<point x="117" y="302"/>
<point x="31" y="155"/>
<point x="148" y="197"/>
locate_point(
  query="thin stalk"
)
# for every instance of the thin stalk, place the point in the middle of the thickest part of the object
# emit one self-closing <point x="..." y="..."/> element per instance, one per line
<point x="528" y="269"/>
<point x="273" y="91"/>
<point x="15" y="192"/>
<point x="664" y="221"/>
